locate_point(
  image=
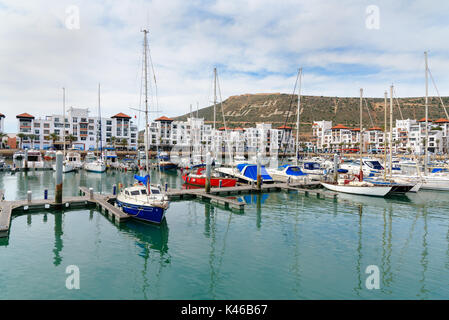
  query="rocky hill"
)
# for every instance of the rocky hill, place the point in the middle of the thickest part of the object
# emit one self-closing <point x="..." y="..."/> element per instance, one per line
<point x="278" y="108"/>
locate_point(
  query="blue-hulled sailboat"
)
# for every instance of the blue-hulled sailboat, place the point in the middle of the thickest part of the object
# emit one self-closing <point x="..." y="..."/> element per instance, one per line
<point x="143" y="201"/>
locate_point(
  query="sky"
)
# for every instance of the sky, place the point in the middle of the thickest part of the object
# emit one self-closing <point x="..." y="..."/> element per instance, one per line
<point x="256" y="46"/>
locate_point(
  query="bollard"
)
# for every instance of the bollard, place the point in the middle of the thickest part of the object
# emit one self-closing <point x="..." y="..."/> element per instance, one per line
<point x="166" y="187"/>
<point x="26" y="159"/>
<point x="335" y="167"/>
<point x="58" y="190"/>
<point x="91" y="193"/>
<point x="208" y="172"/>
<point x="114" y="189"/>
<point x="259" y="177"/>
<point x="46" y="194"/>
<point x="29" y="193"/>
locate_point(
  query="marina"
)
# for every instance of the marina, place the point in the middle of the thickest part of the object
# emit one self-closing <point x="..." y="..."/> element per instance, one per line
<point x="405" y="236"/>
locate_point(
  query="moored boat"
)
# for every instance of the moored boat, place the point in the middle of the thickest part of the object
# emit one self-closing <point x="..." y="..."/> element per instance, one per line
<point x="198" y="178"/>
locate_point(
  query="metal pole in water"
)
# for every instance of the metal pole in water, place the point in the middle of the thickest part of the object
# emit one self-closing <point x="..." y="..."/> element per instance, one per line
<point x="259" y="177"/>
<point x="91" y="193"/>
<point x="26" y="159"/>
<point x="208" y="172"/>
<point x="335" y="167"/>
<point x="58" y="190"/>
<point x="114" y="189"/>
<point x="46" y="194"/>
<point x="29" y="195"/>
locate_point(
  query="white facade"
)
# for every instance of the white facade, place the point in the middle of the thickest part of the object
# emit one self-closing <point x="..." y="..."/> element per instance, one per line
<point x="408" y="136"/>
<point x="78" y="123"/>
<point x="166" y="133"/>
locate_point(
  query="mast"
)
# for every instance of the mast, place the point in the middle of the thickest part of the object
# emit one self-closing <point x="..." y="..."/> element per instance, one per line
<point x="297" y="117"/>
<point x="361" y="135"/>
<point x="426" y="145"/>
<point x="385" y="135"/>
<point x="391" y="131"/>
<point x="63" y="120"/>
<point x="99" y="118"/>
<point x="146" y="104"/>
<point x="215" y="95"/>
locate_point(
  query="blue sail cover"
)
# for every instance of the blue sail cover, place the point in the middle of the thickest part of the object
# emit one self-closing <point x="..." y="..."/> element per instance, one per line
<point x="145" y="180"/>
<point x="250" y="171"/>
<point x="295" y="171"/>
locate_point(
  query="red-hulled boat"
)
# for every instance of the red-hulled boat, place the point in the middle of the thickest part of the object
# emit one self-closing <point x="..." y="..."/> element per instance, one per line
<point x="198" y="178"/>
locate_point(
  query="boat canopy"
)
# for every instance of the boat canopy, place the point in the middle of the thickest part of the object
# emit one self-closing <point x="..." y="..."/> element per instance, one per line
<point x="293" y="170"/>
<point x="145" y="180"/>
<point x="250" y="171"/>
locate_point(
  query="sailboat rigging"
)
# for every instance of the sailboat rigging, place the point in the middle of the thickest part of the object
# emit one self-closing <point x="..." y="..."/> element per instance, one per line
<point x="143" y="201"/>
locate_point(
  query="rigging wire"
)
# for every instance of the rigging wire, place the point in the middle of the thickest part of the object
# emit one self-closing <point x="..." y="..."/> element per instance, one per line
<point x="441" y="100"/>
<point x="288" y="114"/>
<point x="369" y="114"/>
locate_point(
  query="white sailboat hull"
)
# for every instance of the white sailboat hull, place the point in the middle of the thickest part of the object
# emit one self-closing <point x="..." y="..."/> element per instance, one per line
<point x="95" y="167"/>
<point x="374" y="191"/>
<point x="280" y="176"/>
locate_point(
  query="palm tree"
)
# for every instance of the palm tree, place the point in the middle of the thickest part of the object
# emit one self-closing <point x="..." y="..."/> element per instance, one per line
<point x="113" y="141"/>
<point x="2" y="136"/>
<point x="54" y="137"/>
<point x="32" y="137"/>
<point x="124" y="142"/>
<point x="71" y="138"/>
<point x="21" y="136"/>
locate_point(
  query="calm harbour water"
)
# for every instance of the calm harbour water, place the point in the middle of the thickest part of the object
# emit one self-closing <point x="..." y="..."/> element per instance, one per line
<point x="283" y="246"/>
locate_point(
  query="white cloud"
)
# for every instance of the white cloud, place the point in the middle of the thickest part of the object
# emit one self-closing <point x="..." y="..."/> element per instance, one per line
<point x="257" y="45"/>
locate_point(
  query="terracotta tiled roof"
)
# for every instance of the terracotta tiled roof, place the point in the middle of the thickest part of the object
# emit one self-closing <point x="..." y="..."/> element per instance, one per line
<point x="25" y="115"/>
<point x="224" y="128"/>
<point x="355" y="129"/>
<point x="441" y="120"/>
<point x="339" y="126"/>
<point x="121" y="115"/>
<point x="285" y="127"/>
<point x="239" y="129"/>
<point x="375" y="129"/>
<point x="163" y="118"/>
<point x="424" y="120"/>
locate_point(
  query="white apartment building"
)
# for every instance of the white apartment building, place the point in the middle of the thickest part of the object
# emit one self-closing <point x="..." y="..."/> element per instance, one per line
<point x="85" y="129"/>
<point x="408" y="136"/>
<point x="165" y="133"/>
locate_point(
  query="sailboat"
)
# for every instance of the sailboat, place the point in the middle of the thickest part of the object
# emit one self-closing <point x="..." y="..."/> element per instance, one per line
<point x="359" y="187"/>
<point x="438" y="181"/>
<point x="93" y="163"/>
<point x="66" y="165"/>
<point x="144" y="201"/>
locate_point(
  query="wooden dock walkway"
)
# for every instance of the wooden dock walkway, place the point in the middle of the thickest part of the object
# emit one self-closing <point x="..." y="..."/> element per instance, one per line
<point x="104" y="202"/>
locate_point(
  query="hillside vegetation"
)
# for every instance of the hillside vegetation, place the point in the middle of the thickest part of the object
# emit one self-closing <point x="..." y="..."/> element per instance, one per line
<point x="248" y="109"/>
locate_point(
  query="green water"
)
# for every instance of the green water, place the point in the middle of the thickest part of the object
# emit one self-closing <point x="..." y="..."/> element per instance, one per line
<point x="284" y="246"/>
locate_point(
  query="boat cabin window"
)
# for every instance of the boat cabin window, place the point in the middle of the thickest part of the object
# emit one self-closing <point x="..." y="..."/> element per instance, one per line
<point x="312" y="166"/>
<point x="127" y="193"/>
<point x="374" y="165"/>
<point x="155" y="191"/>
<point x="143" y="191"/>
<point x="295" y="169"/>
<point x="135" y="193"/>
